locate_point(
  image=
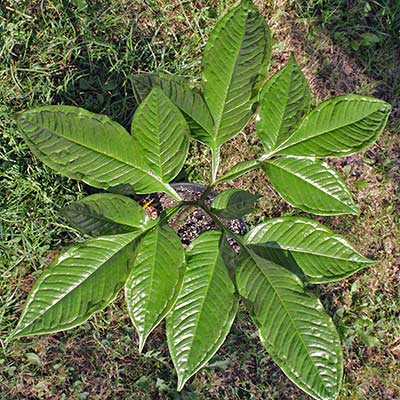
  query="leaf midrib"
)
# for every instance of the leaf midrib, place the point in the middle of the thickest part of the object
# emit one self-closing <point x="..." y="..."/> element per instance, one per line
<point x="90" y="276"/>
<point x="301" y="251"/>
<point x="217" y="122"/>
<point x="274" y="83"/>
<point x="154" y="258"/>
<point x="194" y="116"/>
<point x="158" y="134"/>
<point x="251" y="164"/>
<point x="311" y="183"/>
<point x="291" y="321"/>
<point x="287" y="144"/>
<point x="102" y="217"/>
<point x="96" y="150"/>
<point x="211" y="275"/>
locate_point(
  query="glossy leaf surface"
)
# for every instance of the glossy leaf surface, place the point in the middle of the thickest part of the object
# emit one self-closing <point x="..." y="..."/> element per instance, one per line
<point x="233" y="203"/>
<point x="338" y="127"/>
<point x="88" y="147"/>
<point x="285" y="98"/>
<point x="205" y="308"/>
<point x="238" y="170"/>
<point x="82" y="281"/>
<point x="236" y="57"/>
<point x="106" y="214"/>
<point x="155" y="279"/>
<point x="190" y="101"/>
<point x="293" y="326"/>
<point x="311" y="185"/>
<point x="296" y="242"/>
<point x="161" y="135"/>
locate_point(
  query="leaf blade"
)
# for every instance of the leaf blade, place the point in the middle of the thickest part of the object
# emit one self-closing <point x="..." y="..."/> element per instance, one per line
<point x="322" y="255"/>
<point x="285" y="98"/>
<point x="79" y="283"/>
<point x="161" y="135"/>
<point x="155" y="280"/>
<point x="339" y="126"/>
<point x="88" y="147"/>
<point x="205" y="308"/>
<point x="229" y="79"/>
<point x="233" y="203"/>
<point x="106" y="214"/>
<point x="311" y="185"/>
<point x="308" y="352"/>
<point x="188" y="100"/>
<point x="238" y="170"/>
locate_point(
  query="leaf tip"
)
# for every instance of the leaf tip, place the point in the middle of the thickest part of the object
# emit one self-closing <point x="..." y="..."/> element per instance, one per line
<point x="292" y="58"/>
<point x="156" y="91"/>
<point x="142" y="342"/>
<point x="20" y="118"/>
<point x="182" y="379"/>
<point x="354" y="210"/>
<point x="18" y="115"/>
<point x="9" y="338"/>
<point x="65" y="211"/>
<point x="386" y="106"/>
<point x="15" y="334"/>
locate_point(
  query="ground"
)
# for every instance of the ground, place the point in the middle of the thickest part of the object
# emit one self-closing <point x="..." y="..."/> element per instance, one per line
<point x="81" y="53"/>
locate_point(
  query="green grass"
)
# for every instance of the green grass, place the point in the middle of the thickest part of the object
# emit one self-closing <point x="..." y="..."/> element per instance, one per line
<point x="82" y="53"/>
<point x="367" y="30"/>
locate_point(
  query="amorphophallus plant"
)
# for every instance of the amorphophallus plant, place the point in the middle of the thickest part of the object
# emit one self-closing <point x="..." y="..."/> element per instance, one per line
<point x="198" y="289"/>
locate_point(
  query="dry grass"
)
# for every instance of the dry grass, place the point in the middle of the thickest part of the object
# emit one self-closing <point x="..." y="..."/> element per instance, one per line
<point x="76" y="60"/>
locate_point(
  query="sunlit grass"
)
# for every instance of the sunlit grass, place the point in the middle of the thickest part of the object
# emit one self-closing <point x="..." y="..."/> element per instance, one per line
<point x="82" y="53"/>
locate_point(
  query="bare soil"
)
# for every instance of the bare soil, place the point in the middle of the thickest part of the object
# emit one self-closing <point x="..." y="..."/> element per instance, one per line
<point x="190" y="222"/>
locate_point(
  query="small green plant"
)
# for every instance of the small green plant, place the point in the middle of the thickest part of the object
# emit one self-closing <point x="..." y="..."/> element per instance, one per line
<point x="198" y="289"/>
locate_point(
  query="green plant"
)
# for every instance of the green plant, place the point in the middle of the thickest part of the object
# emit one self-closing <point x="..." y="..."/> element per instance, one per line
<point x="198" y="289"/>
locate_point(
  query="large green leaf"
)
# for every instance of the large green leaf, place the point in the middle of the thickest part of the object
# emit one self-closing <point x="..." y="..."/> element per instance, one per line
<point x="88" y="147"/>
<point x="235" y="59"/>
<point x="296" y="242"/>
<point x="155" y="279"/>
<point x="189" y="101"/>
<point x="285" y="98"/>
<point x="205" y="308"/>
<point x="238" y="170"/>
<point x="338" y="127"/>
<point x="311" y="185"/>
<point x="106" y="214"/>
<point x="293" y="326"/>
<point x="161" y="135"/>
<point x="82" y="281"/>
<point x="233" y="203"/>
